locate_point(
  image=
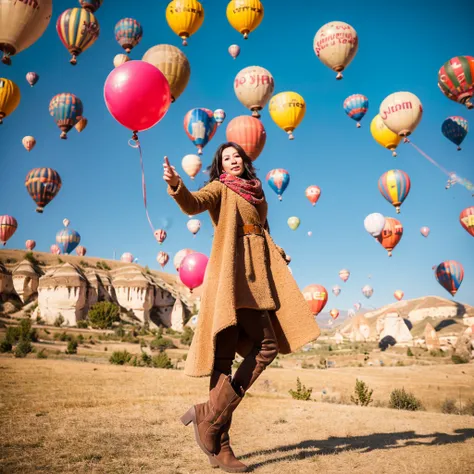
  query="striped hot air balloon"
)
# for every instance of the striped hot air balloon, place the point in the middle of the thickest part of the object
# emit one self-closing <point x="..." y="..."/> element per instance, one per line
<point x="356" y="106"/>
<point x="249" y="133"/>
<point x="78" y="29"/>
<point x="162" y="258"/>
<point x="81" y="251"/>
<point x="42" y="185"/>
<point x="394" y="185"/>
<point x="8" y="226"/>
<point x="66" y="109"/>
<point x="160" y="235"/>
<point x="450" y="275"/>
<point x="55" y="250"/>
<point x="317" y="297"/>
<point x="128" y="33"/>
<point x="456" y="80"/>
<point x="219" y="115"/>
<point x="67" y="239"/>
<point x="391" y="234"/>
<point x="127" y="257"/>
<point x="200" y="126"/>
<point x="466" y="218"/>
<point x="455" y="129"/>
<point x="30" y="245"/>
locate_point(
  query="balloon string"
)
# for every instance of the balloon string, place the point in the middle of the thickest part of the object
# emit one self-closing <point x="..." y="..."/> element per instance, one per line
<point x="136" y="144"/>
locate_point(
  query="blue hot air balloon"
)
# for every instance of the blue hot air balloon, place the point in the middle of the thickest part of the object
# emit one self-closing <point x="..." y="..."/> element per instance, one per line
<point x="455" y="129"/>
<point x="67" y="240"/>
<point x="356" y="107"/>
<point x="66" y="109"/>
<point x="278" y="179"/>
<point x="450" y="275"/>
<point x="200" y="126"/>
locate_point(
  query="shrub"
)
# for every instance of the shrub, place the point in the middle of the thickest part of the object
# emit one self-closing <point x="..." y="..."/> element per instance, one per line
<point x="26" y="332"/>
<point x="402" y="400"/>
<point x="362" y="394"/>
<point x="409" y="352"/>
<point x="82" y="324"/>
<point x="60" y="260"/>
<point x="437" y="353"/>
<point x="161" y="343"/>
<point x="187" y="336"/>
<point x="31" y="258"/>
<point x="58" y="322"/>
<point x="5" y="346"/>
<point x="103" y="314"/>
<point x="83" y="263"/>
<point x="162" y="361"/>
<point x="143" y="343"/>
<point x="71" y="347"/>
<point x="102" y="265"/>
<point x="80" y="339"/>
<point x="301" y="392"/>
<point x="41" y="354"/>
<point x="23" y="348"/>
<point x="456" y="359"/>
<point x="120" y="331"/>
<point x="449" y="407"/>
<point x="172" y="332"/>
<point x="400" y="363"/>
<point x="306" y="365"/>
<point x="146" y="359"/>
<point x="120" y="357"/>
<point x="185" y="356"/>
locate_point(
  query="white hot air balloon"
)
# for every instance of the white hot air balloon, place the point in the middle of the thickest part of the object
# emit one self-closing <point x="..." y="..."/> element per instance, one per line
<point x="120" y="59"/>
<point x="65" y="222"/>
<point x="191" y="164"/>
<point x="344" y="274"/>
<point x="127" y="257"/>
<point x="29" y="142"/>
<point x="401" y="112"/>
<point x="336" y="44"/>
<point x="234" y="50"/>
<point x="367" y="291"/>
<point x="193" y="226"/>
<point x="374" y="224"/>
<point x="336" y="290"/>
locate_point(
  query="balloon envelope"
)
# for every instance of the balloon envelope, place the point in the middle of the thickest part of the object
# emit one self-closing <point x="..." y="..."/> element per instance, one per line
<point x="455" y="129"/>
<point x="254" y="86"/>
<point x="200" y="126"/>
<point x="356" y="106"/>
<point x="398" y="294"/>
<point x="244" y="16"/>
<point x="126" y="257"/>
<point x="313" y="194"/>
<point x="401" y="112"/>
<point x="336" y="290"/>
<point x="119" y="59"/>
<point x="184" y="17"/>
<point x="287" y="110"/>
<point x="42" y="184"/>
<point x="128" y="33"/>
<point x="367" y="291"/>
<point x="81" y="251"/>
<point x="9" y="97"/>
<point x="162" y="258"/>
<point x="193" y="269"/>
<point x="374" y="224"/>
<point x="193" y="226"/>
<point x="160" y="235"/>
<point x="293" y="222"/>
<point x="178" y="258"/>
<point x="8" y="226"/>
<point x="466" y="218"/>
<point x="391" y="234"/>
<point x="344" y="275"/>
<point x="234" y="50"/>
<point x="383" y="135"/>
<point x="456" y="80"/>
<point x="32" y="78"/>
<point x="191" y="164"/>
<point x="30" y="245"/>
<point x="450" y="275"/>
<point x="67" y="239"/>
<point x="278" y="179"/>
<point x="394" y="185"/>
<point x="425" y="231"/>
<point x="317" y="297"/>
<point x="249" y="133"/>
<point x="29" y="142"/>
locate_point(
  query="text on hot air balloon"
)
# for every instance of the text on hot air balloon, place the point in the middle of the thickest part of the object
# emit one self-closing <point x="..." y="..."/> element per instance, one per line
<point x="316" y="295"/>
<point x="245" y="9"/>
<point x="253" y="80"/>
<point x="469" y="220"/>
<point x="342" y="38"/>
<point x="396" y="108"/>
<point x="186" y="9"/>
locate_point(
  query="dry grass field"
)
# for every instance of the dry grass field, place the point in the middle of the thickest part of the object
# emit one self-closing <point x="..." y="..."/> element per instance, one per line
<point x="65" y="416"/>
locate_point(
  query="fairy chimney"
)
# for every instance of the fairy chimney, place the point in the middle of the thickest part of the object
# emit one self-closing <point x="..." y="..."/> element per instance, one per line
<point x="393" y="325"/>
<point x="6" y="283"/>
<point x="25" y="280"/>
<point x="431" y="337"/>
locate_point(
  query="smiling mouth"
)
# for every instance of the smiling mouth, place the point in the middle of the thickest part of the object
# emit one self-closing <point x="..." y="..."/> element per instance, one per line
<point x="235" y="168"/>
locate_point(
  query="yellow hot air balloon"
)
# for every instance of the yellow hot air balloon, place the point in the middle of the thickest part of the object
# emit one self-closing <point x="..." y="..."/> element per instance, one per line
<point x="336" y="44"/>
<point x="184" y="17"/>
<point x="174" y="65"/>
<point x="287" y="110"/>
<point x="383" y="135"/>
<point x="81" y="125"/>
<point x="245" y="15"/>
<point x="9" y="97"/>
<point x="21" y="24"/>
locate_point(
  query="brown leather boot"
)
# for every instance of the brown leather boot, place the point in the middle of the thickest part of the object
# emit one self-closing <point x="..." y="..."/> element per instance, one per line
<point x="225" y="458"/>
<point x="210" y="417"/>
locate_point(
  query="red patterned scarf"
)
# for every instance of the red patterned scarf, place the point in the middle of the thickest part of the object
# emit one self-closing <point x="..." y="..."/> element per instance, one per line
<point x="250" y="189"/>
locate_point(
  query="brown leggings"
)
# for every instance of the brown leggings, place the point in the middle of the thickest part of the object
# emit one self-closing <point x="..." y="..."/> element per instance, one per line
<point x="257" y="325"/>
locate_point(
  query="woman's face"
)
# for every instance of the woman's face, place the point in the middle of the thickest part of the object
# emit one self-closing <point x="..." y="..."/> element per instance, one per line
<point x="232" y="162"/>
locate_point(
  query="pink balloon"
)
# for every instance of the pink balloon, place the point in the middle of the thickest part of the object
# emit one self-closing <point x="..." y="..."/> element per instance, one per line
<point x="137" y="95"/>
<point x="192" y="269"/>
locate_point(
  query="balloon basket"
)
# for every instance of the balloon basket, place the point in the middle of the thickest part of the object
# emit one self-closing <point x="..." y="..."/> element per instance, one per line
<point x="394" y="154"/>
<point x="339" y="76"/>
<point x="73" y="60"/>
<point x="358" y="125"/>
<point x="63" y="136"/>
<point x="459" y="148"/>
<point x="6" y="60"/>
<point x="280" y="198"/>
<point x="290" y="135"/>
<point x="39" y="210"/>
<point x="255" y="113"/>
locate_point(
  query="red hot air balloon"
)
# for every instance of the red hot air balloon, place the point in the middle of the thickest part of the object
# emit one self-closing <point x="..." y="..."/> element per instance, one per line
<point x="162" y="258"/>
<point x="8" y="226"/>
<point x="334" y="313"/>
<point x="160" y="235"/>
<point x="249" y="133"/>
<point x="466" y="218"/>
<point x="398" y="294"/>
<point x="450" y="275"/>
<point x="42" y="185"/>
<point x="81" y="251"/>
<point x="456" y="80"/>
<point x="313" y="193"/>
<point x="55" y="250"/>
<point x="30" y="245"/>
<point x="391" y="234"/>
<point x="317" y="297"/>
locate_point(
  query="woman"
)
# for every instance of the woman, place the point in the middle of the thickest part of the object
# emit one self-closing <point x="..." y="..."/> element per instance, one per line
<point x="250" y="304"/>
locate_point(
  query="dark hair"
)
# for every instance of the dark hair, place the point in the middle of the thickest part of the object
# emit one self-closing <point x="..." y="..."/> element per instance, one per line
<point x="216" y="165"/>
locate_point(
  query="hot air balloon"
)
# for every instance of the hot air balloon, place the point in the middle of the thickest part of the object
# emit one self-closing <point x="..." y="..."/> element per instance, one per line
<point x="401" y="112"/>
<point x="162" y="258"/>
<point x="425" y="231"/>
<point x="81" y="124"/>
<point x="374" y="224"/>
<point x="278" y="179"/>
<point x="120" y="59"/>
<point x="67" y="239"/>
<point x="126" y="257"/>
<point x="334" y="313"/>
<point x="383" y="135"/>
<point x="367" y="291"/>
<point x="336" y="44"/>
<point x="234" y="50"/>
<point x="450" y="275"/>
<point x="81" y="251"/>
<point x="200" y="126"/>
<point x="317" y="297"/>
<point x="66" y="109"/>
<point x="336" y="290"/>
<point x="193" y="226"/>
<point x="55" y="250"/>
<point x="78" y="30"/>
<point x="394" y="185"/>
<point x="287" y="109"/>
<point x="455" y="130"/>
<point x="219" y="116"/>
<point x="21" y="24"/>
<point x="128" y="33"/>
<point x="160" y="235"/>
<point x="254" y="86"/>
<point x="456" y="80"/>
<point x="249" y="133"/>
<point x="184" y="17"/>
<point x="313" y="193"/>
<point x="30" y="245"/>
<point x="42" y="185"/>
<point x="293" y="223"/>
<point x="66" y="222"/>
<point x="391" y="234"/>
<point x="344" y="274"/>
<point x="32" y="78"/>
<point x="466" y="218"/>
<point x="356" y="106"/>
<point x="90" y="5"/>
<point x="310" y="233"/>
<point x="357" y="306"/>
<point x="178" y="258"/>
<point x="398" y="294"/>
<point x="191" y="164"/>
<point x="8" y="226"/>
<point x="9" y="94"/>
<point x="245" y="15"/>
<point x="29" y="142"/>
<point x="174" y="65"/>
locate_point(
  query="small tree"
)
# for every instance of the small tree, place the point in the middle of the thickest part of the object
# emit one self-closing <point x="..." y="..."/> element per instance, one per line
<point x="362" y="394"/>
<point x="58" y="322"/>
<point x="301" y="392"/>
<point x="23" y="348"/>
<point x="71" y="347"/>
<point x="120" y="357"/>
<point x="187" y="336"/>
<point x="409" y="352"/>
<point x="162" y="361"/>
<point x="161" y="343"/>
<point x="402" y="400"/>
<point x="103" y="314"/>
<point x="5" y="346"/>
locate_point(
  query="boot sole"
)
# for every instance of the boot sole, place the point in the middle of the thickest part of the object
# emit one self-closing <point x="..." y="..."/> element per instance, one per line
<point x="188" y="417"/>
<point x="215" y="464"/>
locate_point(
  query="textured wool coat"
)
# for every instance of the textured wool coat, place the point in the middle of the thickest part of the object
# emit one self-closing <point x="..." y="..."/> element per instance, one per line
<point x="243" y="272"/>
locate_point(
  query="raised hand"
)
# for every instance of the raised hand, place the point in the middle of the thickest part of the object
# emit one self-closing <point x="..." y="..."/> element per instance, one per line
<point x="169" y="173"/>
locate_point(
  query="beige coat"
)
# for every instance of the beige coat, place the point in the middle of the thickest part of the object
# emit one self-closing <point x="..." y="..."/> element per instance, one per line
<point x="243" y="272"/>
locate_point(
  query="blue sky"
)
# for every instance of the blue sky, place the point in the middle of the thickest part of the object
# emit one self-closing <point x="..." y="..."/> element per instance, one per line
<point x="400" y="48"/>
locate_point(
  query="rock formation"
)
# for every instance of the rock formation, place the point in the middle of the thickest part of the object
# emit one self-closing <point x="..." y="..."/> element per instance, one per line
<point x="358" y="330"/>
<point x="393" y="325"/>
<point x="431" y="337"/>
<point x="25" y="281"/>
<point x="6" y="283"/>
